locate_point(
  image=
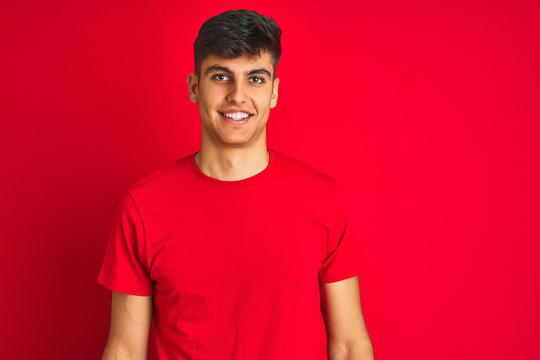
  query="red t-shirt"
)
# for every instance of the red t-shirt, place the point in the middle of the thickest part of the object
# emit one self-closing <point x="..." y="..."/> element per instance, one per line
<point x="233" y="266"/>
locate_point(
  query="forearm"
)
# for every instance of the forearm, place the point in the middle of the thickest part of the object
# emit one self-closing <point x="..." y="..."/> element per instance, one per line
<point x="362" y="350"/>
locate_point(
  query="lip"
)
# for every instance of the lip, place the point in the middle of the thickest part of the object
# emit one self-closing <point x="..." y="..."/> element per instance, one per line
<point x="234" y="111"/>
<point x="232" y="121"/>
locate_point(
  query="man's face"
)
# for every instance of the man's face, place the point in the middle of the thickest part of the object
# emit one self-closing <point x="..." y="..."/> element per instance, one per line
<point x="235" y="97"/>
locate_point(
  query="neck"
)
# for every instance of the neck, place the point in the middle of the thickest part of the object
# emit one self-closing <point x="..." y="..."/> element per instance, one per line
<point x="232" y="164"/>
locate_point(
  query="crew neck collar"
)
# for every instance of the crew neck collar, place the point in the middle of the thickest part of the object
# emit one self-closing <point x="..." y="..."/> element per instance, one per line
<point x="234" y="183"/>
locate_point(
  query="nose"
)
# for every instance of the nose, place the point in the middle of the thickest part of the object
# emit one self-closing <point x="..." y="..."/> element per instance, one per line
<point x="236" y="92"/>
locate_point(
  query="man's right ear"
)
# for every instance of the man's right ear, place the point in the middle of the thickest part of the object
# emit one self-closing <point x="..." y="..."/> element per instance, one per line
<point x="193" y="87"/>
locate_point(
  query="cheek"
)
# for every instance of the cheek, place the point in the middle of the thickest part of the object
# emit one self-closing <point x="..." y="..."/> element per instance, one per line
<point x="207" y="101"/>
<point x="262" y="100"/>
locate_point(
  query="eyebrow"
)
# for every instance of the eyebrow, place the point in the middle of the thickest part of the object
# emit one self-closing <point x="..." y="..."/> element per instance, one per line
<point x="220" y="68"/>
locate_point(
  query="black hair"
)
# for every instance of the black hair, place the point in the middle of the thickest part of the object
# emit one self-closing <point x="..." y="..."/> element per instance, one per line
<point x="235" y="33"/>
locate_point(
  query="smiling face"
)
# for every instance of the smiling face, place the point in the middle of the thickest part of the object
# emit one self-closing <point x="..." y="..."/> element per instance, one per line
<point x="235" y="97"/>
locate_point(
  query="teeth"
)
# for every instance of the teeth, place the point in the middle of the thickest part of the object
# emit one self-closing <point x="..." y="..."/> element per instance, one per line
<point x="236" y="116"/>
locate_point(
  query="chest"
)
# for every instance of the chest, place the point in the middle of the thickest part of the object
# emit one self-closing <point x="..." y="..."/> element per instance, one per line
<point x="256" y="241"/>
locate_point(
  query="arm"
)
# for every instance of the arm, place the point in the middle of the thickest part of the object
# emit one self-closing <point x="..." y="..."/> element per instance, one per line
<point x="348" y="338"/>
<point x="131" y="317"/>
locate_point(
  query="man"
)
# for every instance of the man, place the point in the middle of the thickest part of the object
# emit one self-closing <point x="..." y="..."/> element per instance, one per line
<point x="236" y="251"/>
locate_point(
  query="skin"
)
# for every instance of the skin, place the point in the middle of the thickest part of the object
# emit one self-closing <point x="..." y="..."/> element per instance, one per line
<point x="228" y="151"/>
<point x="232" y="152"/>
<point x="347" y="335"/>
<point x="131" y="317"/>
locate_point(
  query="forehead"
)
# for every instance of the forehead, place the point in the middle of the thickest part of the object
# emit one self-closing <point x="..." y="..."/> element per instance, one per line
<point x="240" y="64"/>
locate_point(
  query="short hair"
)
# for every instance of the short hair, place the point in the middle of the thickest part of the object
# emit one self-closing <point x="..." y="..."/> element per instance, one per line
<point x="235" y="33"/>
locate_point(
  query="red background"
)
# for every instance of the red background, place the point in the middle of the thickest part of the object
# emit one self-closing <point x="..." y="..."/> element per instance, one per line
<point x="427" y="112"/>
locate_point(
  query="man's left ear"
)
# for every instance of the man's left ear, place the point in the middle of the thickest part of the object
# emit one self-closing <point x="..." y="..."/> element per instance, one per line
<point x="273" y="99"/>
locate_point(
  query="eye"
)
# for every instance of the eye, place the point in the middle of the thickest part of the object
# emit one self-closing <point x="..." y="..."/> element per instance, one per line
<point x="220" y="77"/>
<point x="257" y="80"/>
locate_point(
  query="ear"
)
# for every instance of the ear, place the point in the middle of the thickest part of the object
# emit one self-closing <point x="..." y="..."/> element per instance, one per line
<point x="273" y="99"/>
<point x="193" y="87"/>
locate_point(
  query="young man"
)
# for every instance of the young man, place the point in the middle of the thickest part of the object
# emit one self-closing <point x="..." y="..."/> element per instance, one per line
<point x="236" y="251"/>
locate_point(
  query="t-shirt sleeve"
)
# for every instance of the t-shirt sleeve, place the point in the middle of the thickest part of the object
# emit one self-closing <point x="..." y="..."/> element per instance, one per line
<point x="344" y="255"/>
<point x="124" y="267"/>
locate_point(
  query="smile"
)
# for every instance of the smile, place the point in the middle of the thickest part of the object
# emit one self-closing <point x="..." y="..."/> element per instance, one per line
<point x="235" y="117"/>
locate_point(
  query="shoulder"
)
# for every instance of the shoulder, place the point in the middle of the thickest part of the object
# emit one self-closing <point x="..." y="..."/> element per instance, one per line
<point x="305" y="173"/>
<point x="161" y="182"/>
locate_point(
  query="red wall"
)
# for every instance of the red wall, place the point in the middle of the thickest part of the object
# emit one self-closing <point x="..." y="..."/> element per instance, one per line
<point x="426" y="111"/>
